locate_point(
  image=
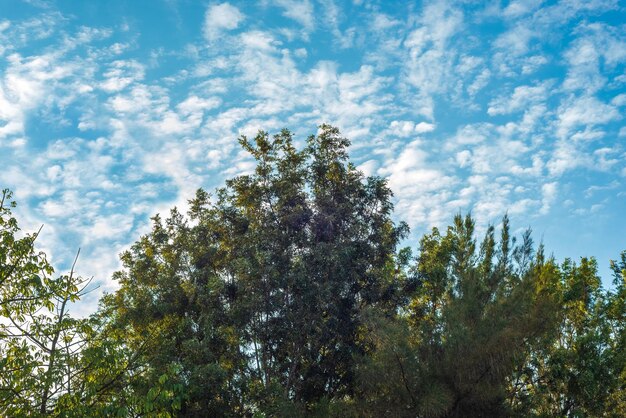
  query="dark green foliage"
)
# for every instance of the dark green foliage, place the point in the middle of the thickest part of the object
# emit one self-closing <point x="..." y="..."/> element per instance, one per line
<point x="580" y="370"/>
<point x="497" y="330"/>
<point x="259" y="294"/>
<point x="285" y="295"/>
<point x="475" y="311"/>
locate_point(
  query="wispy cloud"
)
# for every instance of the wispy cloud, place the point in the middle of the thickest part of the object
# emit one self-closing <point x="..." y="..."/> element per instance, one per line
<point x="221" y="17"/>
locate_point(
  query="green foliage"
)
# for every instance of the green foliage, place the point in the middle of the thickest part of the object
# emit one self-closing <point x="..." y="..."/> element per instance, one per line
<point x="50" y="363"/>
<point x="475" y="312"/>
<point x="38" y="340"/>
<point x="285" y="295"/>
<point x="497" y="330"/>
<point x="579" y="371"/>
<point x="24" y="273"/>
<point x="259" y="293"/>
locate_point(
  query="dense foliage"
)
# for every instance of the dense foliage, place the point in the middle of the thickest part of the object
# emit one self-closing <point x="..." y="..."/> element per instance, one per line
<point x="286" y="294"/>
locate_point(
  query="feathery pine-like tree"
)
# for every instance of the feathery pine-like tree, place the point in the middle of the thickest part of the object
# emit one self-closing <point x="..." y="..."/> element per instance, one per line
<point x="475" y="314"/>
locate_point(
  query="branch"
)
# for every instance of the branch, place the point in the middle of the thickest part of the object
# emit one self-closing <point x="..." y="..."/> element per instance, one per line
<point x="13" y="266"/>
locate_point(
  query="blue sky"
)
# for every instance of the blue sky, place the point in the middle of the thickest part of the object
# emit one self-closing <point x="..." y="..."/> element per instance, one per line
<point x="113" y="111"/>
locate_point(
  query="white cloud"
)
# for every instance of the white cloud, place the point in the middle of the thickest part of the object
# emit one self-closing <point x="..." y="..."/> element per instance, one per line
<point x="219" y="18"/>
<point x="517" y="8"/>
<point x="584" y="72"/>
<point x="584" y="111"/>
<point x="516" y="40"/>
<point x="533" y="170"/>
<point x="28" y="83"/>
<point x="470" y="134"/>
<point x="567" y="156"/>
<point x="19" y="33"/>
<point x="548" y="195"/>
<point x="421" y="188"/>
<point x="382" y="22"/>
<point x="532" y="63"/>
<point x="408" y="172"/>
<point x="619" y="100"/>
<point x="299" y="10"/>
<point x="407" y="128"/>
<point x="590" y="191"/>
<point x="479" y="82"/>
<point x="607" y="158"/>
<point x="120" y="74"/>
<point x="522" y="98"/>
<point x="463" y="158"/>
<point x="109" y="227"/>
<point x="259" y="41"/>
<point x="194" y="104"/>
<point x="424" y="127"/>
<point x="332" y="18"/>
<point x="369" y="167"/>
<point x="429" y="54"/>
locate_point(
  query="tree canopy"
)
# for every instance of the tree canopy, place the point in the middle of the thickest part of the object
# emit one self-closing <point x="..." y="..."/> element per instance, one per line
<point x="286" y="293"/>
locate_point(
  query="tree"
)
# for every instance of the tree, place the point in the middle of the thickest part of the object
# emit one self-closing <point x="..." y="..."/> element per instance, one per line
<point x="38" y="340"/>
<point x="50" y="363"/>
<point x="580" y="370"/>
<point x="260" y="291"/>
<point x="616" y="318"/>
<point x="285" y="294"/>
<point x="476" y="311"/>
